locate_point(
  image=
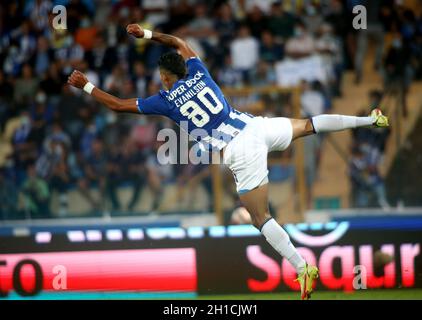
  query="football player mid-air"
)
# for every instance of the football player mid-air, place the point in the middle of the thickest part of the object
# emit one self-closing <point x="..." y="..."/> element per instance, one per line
<point x="190" y="95"/>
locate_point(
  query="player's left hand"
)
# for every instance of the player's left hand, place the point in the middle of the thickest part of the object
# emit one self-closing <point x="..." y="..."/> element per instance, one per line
<point x="77" y="79"/>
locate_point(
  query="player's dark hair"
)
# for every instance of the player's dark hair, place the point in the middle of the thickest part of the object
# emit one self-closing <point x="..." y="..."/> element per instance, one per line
<point x="173" y="63"/>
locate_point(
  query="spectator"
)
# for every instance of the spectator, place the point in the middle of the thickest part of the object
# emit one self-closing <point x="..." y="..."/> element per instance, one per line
<point x="36" y="194"/>
<point x="368" y="151"/>
<point x="42" y="56"/>
<point x="312" y="145"/>
<point x="263" y="75"/>
<point x="94" y="173"/>
<point x="6" y="94"/>
<point x="26" y="86"/>
<point x="263" y="5"/>
<point x="72" y="111"/>
<point x="128" y="90"/>
<point x="229" y="76"/>
<point x="52" y="166"/>
<point x="158" y="10"/>
<point x="86" y="139"/>
<point x="13" y="15"/>
<point x="25" y="139"/>
<point x="365" y="177"/>
<point x="114" y="177"/>
<point x="68" y="53"/>
<point x="159" y="174"/>
<point x="57" y="134"/>
<point x="280" y="22"/>
<point x="85" y="33"/>
<point x="256" y="21"/>
<point x="52" y="83"/>
<point x="26" y="40"/>
<point x="397" y="69"/>
<point x="114" y="82"/>
<point x="270" y="51"/>
<point x="190" y="178"/>
<point x="416" y="50"/>
<point x="6" y="89"/>
<point x="8" y="197"/>
<point x="225" y="25"/>
<point x="313" y="18"/>
<point x="374" y="31"/>
<point x="101" y="58"/>
<point x="408" y="25"/>
<point x="244" y="43"/>
<point x="12" y="61"/>
<point x="301" y="45"/>
<point x="389" y="15"/>
<point x="141" y="79"/>
<point x="38" y="11"/>
<point x="202" y="27"/>
<point x="312" y="100"/>
<point x="76" y="11"/>
<point x="337" y="17"/>
<point x="181" y="11"/>
<point x="329" y="47"/>
<point x="11" y="124"/>
<point x="42" y="112"/>
<point x="126" y="166"/>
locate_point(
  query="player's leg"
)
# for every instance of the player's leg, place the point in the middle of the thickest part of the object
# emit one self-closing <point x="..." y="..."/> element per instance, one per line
<point x="302" y="128"/>
<point x="256" y="203"/>
<point x="246" y="156"/>
<point x="335" y="122"/>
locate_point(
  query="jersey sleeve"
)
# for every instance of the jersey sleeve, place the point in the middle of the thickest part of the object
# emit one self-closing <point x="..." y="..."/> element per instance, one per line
<point x="152" y="105"/>
<point x="195" y="64"/>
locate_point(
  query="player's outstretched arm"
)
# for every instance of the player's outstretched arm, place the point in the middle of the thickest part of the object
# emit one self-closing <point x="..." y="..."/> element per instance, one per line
<point x="171" y="41"/>
<point x="80" y="81"/>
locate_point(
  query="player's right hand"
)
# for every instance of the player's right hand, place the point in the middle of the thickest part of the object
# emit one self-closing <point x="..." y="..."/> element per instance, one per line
<point x="77" y="79"/>
<point x="135" y="30"/>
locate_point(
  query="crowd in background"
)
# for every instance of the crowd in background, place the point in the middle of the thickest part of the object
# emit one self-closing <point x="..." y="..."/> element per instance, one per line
<point x="368" y="147"/>
<point x="54" y="138"/>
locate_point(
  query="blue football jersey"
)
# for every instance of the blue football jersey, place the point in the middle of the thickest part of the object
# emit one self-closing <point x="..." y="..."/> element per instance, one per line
<point x="197" y="104"/>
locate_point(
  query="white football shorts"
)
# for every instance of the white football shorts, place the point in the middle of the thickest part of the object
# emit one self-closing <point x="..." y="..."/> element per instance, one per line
<point x="246" y="155"/>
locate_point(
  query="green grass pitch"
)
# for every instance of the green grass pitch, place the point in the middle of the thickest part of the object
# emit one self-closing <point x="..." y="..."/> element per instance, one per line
<point x="397" y="294"/>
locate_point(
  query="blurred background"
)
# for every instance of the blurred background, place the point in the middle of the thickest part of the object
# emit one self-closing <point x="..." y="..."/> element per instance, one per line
<point x="65" y="160"/>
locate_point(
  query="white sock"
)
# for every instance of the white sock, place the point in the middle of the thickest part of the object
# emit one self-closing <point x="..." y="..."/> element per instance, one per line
<point x="336" y="122"/>
<point x="280" y="241"/>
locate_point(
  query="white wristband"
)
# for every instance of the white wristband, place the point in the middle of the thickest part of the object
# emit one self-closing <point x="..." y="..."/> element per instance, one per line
<point x="147" y="34"/>
<point x="88" y="87"/>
